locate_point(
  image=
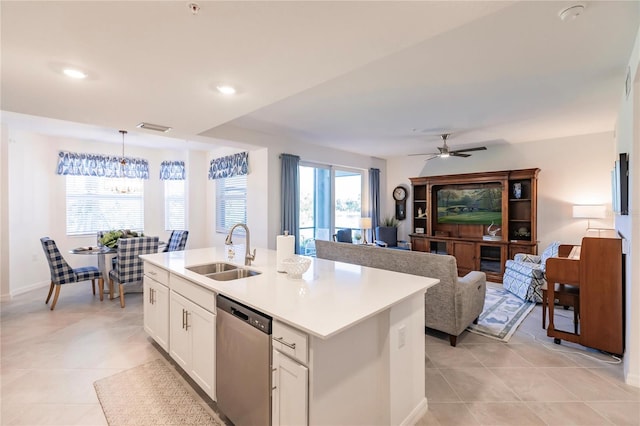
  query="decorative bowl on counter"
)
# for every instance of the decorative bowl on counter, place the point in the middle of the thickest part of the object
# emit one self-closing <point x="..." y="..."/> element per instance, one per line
<point x="296" y="266"/>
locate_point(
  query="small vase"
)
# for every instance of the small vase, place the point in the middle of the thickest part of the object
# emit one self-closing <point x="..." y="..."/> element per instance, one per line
<point x="517" y="190"/>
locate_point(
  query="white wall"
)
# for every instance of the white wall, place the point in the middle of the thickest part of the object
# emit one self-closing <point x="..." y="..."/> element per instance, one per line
<point x="628" y="140"/>
<point x="36" y="202"/>
<point x="4" y="211"/>
<point x="574" y="170"/>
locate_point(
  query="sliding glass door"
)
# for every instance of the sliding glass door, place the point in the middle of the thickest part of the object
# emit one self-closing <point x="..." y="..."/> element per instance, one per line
<point x="330" y="199"/>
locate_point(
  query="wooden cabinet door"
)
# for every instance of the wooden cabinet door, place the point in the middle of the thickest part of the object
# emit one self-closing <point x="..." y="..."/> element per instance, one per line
<point x="201" y="326"/>
<point x="419" y="244"/>
<point x="156" y="311"/>
<point x="180" y="347"/>
<point x="289" y="398"/>
<point x="465" y="254"/>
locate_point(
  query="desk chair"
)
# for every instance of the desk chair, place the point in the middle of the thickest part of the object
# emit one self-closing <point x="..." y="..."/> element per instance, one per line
<point x="62" y="273"/>
<point x="129" y="267"/>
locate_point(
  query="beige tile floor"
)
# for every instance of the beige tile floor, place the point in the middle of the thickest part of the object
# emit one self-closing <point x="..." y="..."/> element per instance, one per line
<point x="49" y="361"/>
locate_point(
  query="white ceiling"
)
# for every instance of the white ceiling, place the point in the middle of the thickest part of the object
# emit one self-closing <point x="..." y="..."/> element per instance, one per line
<point x="377" y="78"/>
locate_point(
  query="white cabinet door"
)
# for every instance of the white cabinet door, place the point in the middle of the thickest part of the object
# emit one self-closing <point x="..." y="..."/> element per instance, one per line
<point x="201" y="325"/>
<point x="156" y="311"/>
<point x="192" y="336"/>
<point x="290" y="391"/>
<point x="180" y="348"/>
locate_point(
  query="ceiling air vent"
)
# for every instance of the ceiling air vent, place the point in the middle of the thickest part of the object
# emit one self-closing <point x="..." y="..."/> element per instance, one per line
<point x="156" y="127"/>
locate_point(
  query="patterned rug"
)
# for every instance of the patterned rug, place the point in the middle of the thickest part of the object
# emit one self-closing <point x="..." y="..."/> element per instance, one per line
<point x="151" y="394"/>
<point x="502" y="314"/>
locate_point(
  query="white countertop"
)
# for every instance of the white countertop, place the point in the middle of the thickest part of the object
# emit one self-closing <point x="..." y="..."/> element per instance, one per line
<point x="330" y="297"/>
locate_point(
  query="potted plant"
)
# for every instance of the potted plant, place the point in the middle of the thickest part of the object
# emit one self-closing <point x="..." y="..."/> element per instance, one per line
<point x="387" y="231"/>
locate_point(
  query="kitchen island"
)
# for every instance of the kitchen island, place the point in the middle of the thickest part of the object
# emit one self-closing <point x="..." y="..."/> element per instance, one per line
<point x="358" y="332"/>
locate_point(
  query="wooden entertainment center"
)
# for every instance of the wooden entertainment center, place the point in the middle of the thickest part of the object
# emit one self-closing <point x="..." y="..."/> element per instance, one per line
<point x="450" y="212"/>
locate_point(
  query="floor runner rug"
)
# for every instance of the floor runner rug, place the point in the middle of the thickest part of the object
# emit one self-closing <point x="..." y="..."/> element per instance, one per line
<point x="502" y="314"/>
<point x="151" y="394"/>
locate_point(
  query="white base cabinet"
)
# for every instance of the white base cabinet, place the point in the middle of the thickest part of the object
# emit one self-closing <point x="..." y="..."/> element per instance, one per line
<point x="290" y="384"/>
<point x="192" y="335"/>
<point x="156" y="311"/>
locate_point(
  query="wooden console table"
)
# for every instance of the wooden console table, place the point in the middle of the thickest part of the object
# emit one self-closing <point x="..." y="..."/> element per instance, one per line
<point x="596" y="268"/>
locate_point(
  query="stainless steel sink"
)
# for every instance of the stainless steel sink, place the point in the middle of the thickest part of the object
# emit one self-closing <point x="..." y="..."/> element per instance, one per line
<point x="232" y="275"/>
<point x="212" y="268"/>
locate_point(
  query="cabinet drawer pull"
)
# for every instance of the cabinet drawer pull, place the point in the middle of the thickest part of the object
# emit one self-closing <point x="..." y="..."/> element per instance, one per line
<point x="152" y="273"/>
<point x="290" y="345"/>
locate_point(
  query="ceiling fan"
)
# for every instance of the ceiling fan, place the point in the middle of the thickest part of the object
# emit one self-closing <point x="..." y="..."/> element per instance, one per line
<point x="445" y="152"/>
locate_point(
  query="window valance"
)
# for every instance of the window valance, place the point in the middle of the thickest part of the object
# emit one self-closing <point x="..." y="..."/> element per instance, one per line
<point x="231" y="165"/>
<point x="172" y="170"/>
<point x="80" y="164"/>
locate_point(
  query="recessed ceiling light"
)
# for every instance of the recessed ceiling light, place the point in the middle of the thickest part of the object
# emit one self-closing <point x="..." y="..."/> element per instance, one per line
<point x="73" y="73"/>
<point x="226" y="89"/>
<point x="572" y="12"/>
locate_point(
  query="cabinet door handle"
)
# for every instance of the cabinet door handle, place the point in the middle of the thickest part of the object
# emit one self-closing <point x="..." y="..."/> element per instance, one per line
<point x="186" y="320"/>
<point x="149" y="295"/>
<point x="154" y="295"/>
<point x="183" y="318"/>
<point x="290" y="345"/>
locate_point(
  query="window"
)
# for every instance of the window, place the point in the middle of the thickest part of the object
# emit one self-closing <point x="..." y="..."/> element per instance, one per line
<point x="330" y="199"/>
<point x="93" y="204"/>
<point x="231" y="202"/>
<point x="174" y="204"/>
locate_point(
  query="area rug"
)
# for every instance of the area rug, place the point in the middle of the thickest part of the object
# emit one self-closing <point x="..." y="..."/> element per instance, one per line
<point x="502" y="314"/>
<point x="151" y="394"/>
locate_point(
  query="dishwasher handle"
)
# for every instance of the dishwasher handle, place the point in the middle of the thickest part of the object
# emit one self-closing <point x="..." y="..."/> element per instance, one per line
<point x="239" y="314"/>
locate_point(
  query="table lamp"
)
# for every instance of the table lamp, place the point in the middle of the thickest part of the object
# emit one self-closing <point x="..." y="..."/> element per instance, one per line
<point x="589" y="211"/>
<point x="365" y="224"/>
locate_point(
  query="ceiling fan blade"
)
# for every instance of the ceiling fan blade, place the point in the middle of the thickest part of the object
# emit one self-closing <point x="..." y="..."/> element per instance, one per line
<point x="426" y="153"/>
<point x="479" y="148"/>
<point x="458" y="154"/>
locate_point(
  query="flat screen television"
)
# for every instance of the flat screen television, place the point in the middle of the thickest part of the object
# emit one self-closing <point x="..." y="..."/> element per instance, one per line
<point x="470" y="205"/>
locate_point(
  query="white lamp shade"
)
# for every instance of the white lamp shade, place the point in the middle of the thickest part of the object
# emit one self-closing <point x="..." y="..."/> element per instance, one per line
<point x="592" y="211"/>
<point x="365" y="223"/>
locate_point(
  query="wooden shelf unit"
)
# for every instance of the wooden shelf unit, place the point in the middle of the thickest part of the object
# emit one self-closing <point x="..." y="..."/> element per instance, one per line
<point x="518" y="232"/>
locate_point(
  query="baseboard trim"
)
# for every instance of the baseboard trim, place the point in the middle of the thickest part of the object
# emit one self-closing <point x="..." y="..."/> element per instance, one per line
<point x="632" y="380"/>
<point x="27" y="289"/>
<point x="416" y="414"/>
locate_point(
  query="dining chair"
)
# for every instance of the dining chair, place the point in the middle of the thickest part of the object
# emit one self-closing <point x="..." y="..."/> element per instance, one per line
<point x="177" y="241"/>
<point x="129" y="267"/>
<point x="62" y="273"/>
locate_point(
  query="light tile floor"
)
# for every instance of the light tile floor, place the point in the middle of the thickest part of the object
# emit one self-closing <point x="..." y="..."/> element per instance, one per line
<point x="50" y="359"/>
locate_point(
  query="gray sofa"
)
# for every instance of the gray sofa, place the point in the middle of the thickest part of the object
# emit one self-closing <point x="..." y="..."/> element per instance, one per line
<point x="450" y="306"/>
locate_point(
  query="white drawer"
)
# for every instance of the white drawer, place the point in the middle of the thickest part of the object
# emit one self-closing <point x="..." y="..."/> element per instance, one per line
<point x="156" y="273"/>
<point x="290" y="341"/>
<point x="194" y="292"/>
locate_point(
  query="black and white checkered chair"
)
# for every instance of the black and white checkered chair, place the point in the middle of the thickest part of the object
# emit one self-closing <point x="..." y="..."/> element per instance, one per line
<point x="177" y="241"/>
<point x="129" y="267"/>
<point x="62" y="273"/>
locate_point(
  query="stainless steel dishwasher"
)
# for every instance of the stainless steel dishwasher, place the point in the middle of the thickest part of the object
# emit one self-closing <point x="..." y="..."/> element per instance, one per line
<point x="243" y="363"/>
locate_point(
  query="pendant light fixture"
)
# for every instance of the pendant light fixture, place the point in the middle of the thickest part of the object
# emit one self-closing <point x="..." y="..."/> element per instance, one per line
<point x="122" y="186"/>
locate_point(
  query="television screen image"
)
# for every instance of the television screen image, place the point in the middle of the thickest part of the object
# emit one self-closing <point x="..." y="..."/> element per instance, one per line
<point x="473" y="206"/>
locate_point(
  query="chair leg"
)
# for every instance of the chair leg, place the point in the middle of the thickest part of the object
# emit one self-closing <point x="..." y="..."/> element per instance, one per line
<point x="50" y="291"/>
<point x="475" y="321"/>
<point x="55" y="297"/>
<point x="453" y="340"/>
<point x="121" y="296"/>
<point x="101" y="288"/>
<point x="544" y="309"/>
<point x="93" y="286"/>
<point x="110" y="289"/>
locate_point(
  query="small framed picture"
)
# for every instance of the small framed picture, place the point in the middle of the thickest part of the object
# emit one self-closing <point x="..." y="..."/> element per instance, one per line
<point x="419" y="230"/>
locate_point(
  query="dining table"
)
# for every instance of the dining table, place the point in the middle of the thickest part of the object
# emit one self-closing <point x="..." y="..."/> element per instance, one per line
<point x="105" y="257"/>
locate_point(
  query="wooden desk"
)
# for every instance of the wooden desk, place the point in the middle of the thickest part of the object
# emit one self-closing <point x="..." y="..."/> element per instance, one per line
<point x="596" y="268"/>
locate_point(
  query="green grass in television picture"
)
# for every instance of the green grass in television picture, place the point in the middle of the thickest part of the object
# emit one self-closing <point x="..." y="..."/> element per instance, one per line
<point x="480" y="206"/>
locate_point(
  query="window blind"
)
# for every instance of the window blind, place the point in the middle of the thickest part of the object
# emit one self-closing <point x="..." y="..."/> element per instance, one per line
<point x="93" y="205"/>
<point x="231" y="202"/>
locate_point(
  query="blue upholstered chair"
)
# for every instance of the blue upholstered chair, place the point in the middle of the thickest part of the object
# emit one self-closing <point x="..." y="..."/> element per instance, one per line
<point x="524" y="276"/>
<point x="62" y="273"/>
<point x="343" y="236"/>
<point x="177" y="241"/>
<point x="129" y="267"/>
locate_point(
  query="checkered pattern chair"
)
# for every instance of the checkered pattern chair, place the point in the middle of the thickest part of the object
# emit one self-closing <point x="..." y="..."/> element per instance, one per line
<point x="177" y="241"/>
<point x="129" y="267"/>
<point x="524" y="276"/>
<point x="62" y="273"/>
